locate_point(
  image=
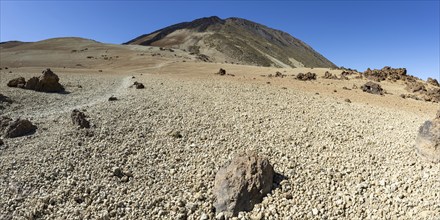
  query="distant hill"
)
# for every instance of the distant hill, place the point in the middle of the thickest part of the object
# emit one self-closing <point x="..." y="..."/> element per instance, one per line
<point x="10" y="44"/>
<point x="236" y="40"/>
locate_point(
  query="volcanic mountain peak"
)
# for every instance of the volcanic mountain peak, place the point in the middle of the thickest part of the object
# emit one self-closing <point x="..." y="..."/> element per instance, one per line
<point x="235" y="40"/>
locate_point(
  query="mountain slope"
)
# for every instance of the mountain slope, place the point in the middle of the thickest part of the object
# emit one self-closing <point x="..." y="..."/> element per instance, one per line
<point x="236" y="40"/>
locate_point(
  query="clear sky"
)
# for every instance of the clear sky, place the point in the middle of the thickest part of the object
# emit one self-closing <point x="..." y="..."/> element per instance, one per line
<point x="354" y="34"/>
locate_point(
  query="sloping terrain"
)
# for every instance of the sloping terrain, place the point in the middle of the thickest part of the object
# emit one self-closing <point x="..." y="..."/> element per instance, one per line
<point x="335" y="159"/>
<point x="236" y="40"/>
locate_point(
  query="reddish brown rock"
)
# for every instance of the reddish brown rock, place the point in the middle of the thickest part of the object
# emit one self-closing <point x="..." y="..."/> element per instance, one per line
<point x="242" y="183"/>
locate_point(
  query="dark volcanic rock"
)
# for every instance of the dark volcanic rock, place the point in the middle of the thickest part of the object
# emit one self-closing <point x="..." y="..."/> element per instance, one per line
<point x="221" y="72"/>
<point x="79" y="118"/>
<point x="49" y="82"/>
<point x="32" y="83"/>
<point x="306" y="76"/>
<point x="415" y="87"/>
<point x="242" y="183"/>
<point x="16" y="128"/>
<point x="372" y="88"/>
<point x="328" y="75"/>
<point x="386" y="73"/>
<point x="4" y="98"/>
<point x="433" y="82"/>
<point x="138" y="85"/>
<point x="17" y="82"/>
<point x="432" y="95"/>
<point x="428" y="140"/>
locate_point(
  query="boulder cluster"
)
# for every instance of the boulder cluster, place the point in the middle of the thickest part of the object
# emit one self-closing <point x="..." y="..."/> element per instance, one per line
<point x="387" y="73"/>
<point x="47" y="82"/>
<point x="306" y="76"/>
<point x="423" y="92"/>
<point x="328" y="75"/>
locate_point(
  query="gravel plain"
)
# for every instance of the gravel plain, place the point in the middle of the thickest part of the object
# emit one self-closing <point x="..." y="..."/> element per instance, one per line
<point x="154" y="153"/>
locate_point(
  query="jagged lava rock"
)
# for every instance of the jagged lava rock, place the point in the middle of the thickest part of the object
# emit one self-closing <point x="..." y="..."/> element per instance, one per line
<point x="79" y="118"/>
<point x="48" y="82"/>
<point x="242" y="183"/>
<point x="428" y="140"/>
<point x="17" y="82"/>
<point x="306" y="76"/>
<point x="372" y="88"/>
<point x="16" y="128"/>
<point x="433" y="82"/>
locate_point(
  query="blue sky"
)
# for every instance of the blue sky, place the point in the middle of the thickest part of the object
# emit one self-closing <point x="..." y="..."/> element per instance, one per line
<point x="355" y="34"/>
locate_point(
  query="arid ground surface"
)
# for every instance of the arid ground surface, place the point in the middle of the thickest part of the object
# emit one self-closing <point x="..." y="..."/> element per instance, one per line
<point x="335" y="159"/>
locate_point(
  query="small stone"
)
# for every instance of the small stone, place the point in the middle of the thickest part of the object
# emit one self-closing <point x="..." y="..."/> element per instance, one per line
<point x="220" y="216"/>
<point x="112" y="98"/>
<point x="204" y="216"/>
<point x="315" y="211"/>
<point x="257" y="216"/>
<point x="116" y="171"/>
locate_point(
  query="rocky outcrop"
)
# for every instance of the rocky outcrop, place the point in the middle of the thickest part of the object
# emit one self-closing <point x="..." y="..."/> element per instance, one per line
<point x="373" y="88"/>
<point x="428" y="140"/>
<point x="17" y="82"/>
<point x="433" y="82"/>
<point x="415" y="86"/>
<point x="306" y="76"/>
<point x="242" y="183"/>
<point x="328" y="75"/>
<point x="15" y="128"/>
<point x="432" y="95"/>
<point x="79" y="118"/>
<point x="48" y="82"/>
<point x="386" y="73"/>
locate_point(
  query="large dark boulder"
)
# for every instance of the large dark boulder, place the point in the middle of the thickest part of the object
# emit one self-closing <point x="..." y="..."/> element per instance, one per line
<point x="242" y="183"/>
<point x="16" y="128"/>
<point x="49" y="82"/>
<point x="428" y="140"/>
<point x="373" y="88"/>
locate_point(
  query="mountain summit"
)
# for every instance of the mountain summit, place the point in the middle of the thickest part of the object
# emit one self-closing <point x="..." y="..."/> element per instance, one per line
<point x="236" y="40"/>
